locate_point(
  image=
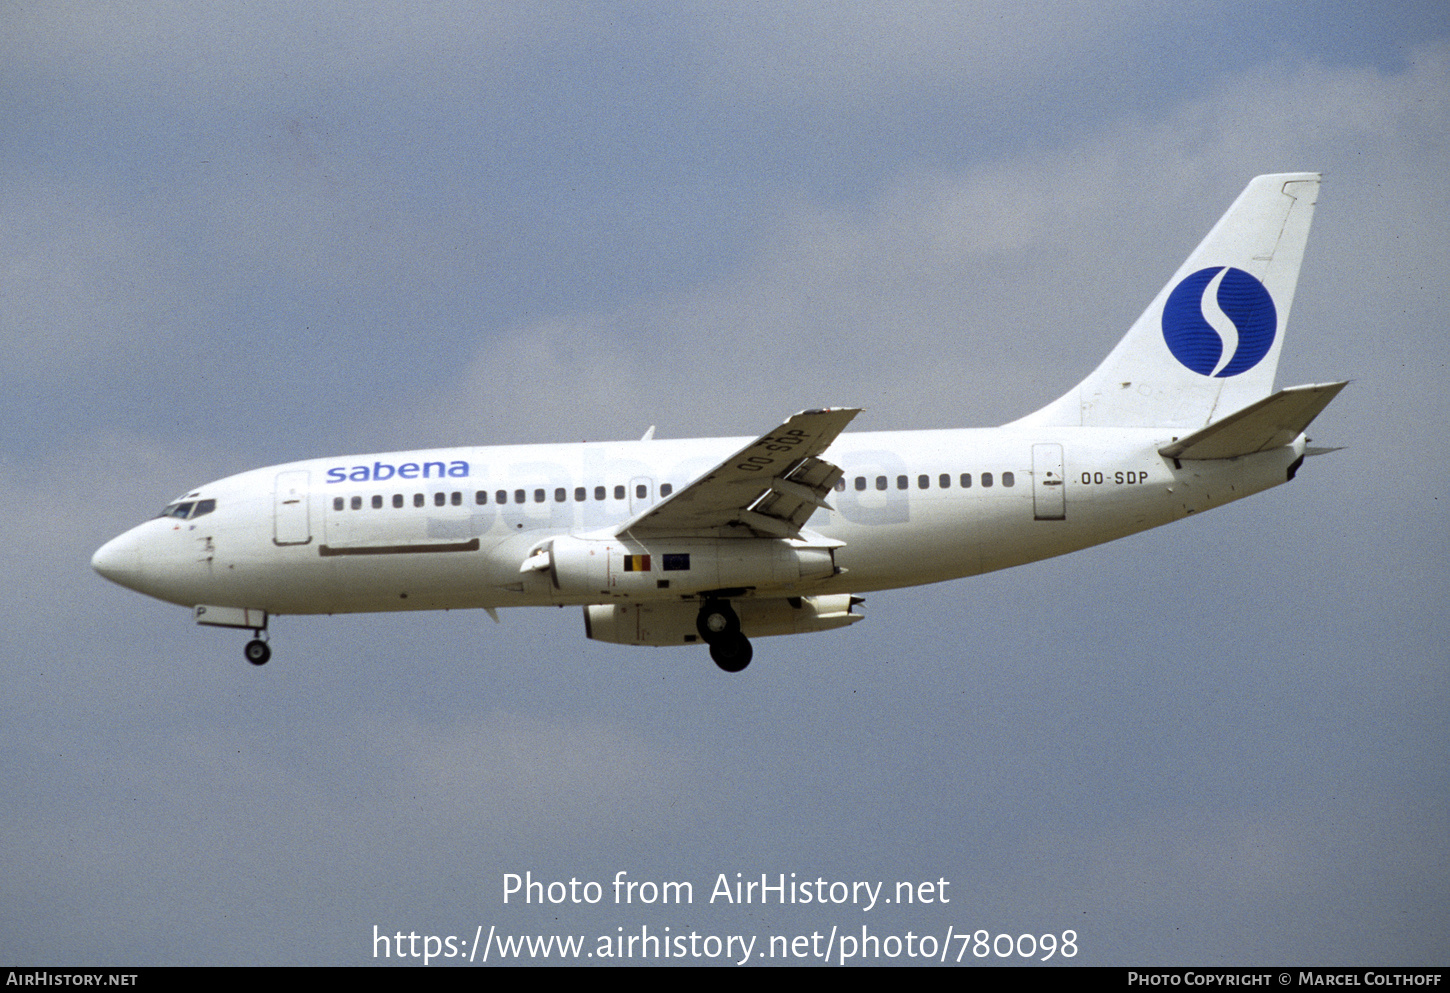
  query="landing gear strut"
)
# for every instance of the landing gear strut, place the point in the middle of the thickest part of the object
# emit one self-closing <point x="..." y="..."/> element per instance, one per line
<point x="720" y="628"/>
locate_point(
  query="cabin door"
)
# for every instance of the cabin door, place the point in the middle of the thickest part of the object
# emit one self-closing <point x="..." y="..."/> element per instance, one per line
<point x="289" y="505"/>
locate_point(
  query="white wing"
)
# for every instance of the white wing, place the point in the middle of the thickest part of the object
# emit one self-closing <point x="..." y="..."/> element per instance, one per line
<point x="770" y="487"/>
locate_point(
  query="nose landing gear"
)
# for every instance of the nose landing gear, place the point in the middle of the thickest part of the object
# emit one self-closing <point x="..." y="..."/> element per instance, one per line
<point x="252" y="619"/>
<point x="719" y="626"/>
<point x="257" y="651"/>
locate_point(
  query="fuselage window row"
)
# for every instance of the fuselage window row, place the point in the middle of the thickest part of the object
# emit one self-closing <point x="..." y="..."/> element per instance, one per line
<point x="923" y="482"/>
<point x="443" y="499"/>
<point x="561" y="494"/>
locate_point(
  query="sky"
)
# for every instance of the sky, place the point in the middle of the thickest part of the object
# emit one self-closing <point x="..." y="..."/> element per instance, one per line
<point x="235" y="237"/>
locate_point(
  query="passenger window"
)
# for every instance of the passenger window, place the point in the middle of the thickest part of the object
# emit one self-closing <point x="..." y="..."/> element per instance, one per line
<point x="560" y="494"/>
<point x="986" y="479"/>
<point x="841" y="485"/>
<point x="860" y="482"/>
<point x="1008" y="479"/>
<point x="923" y="482"/>
<point x="502" y="496"/>
<point x="881" y="482"/>
<point x="397" y="499"/>
<point x="666" y="489"/>
<point x="417" y="499"/>
<point x="901" y="482"/>
<point x="440" y="499"/>
<point x="357" y="503"/>
<point x="640" y="491"/>
<point x="481" y="497"/>
<point x="945" y="481"/>
<point x="619" y="493"/>
<point x="519" y="496"/>
<point x="377" y="501"/>
<point x="538" y="496"/>
<point x="599" y="493"/>
<point x="456" y="498"/>
<point x="579" y="494"/>
<point x="337" y="503"/>
<point x="966" y="480"/>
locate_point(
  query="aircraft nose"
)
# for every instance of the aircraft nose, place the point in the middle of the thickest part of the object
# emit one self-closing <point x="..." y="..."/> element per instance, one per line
<point x="119" y="561"/>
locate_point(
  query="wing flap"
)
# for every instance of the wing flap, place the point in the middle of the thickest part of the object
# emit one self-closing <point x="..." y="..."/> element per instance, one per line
<point x="771" y="486"/>
<point x="1270" y="423"/>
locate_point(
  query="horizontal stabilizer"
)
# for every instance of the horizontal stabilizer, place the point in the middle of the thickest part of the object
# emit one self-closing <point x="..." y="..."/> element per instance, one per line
<point x="1271" y="423"/>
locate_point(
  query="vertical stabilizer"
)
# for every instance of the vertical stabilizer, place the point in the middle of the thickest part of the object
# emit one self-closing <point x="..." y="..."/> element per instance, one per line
<point x="1208" y="344"/>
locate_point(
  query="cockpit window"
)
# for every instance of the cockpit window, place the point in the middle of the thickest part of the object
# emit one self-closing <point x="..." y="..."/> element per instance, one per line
<point x="188" y="509"/>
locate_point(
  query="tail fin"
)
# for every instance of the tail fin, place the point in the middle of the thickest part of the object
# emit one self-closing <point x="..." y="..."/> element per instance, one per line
<point x="1208" y="344"/>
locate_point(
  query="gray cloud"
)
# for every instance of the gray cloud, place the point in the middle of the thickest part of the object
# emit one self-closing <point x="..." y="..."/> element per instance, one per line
<point x="1221" y="741"/>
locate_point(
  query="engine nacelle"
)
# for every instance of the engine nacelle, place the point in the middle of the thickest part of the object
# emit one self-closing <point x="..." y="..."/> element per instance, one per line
<point x="614" y="567"/>
<point x="674" y="623"/>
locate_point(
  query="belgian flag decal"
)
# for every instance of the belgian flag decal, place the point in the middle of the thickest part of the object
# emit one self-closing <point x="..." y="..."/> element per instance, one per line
<point x="636" y="563"/>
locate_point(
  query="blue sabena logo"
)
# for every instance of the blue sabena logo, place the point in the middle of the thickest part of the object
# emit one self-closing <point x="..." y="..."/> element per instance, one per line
<point x="1220" y="321"/>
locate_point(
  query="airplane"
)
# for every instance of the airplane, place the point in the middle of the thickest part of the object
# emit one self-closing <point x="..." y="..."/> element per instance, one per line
<point x="717" y="541"/>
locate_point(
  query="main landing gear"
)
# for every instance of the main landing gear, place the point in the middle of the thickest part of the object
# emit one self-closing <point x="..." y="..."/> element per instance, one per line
<point x="720" y="628"/>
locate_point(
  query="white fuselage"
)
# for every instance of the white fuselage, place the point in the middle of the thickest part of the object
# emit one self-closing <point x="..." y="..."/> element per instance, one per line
<point x="451" y="528"/>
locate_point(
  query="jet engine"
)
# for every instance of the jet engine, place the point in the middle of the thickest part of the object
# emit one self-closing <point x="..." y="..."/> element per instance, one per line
<point x="667" y="623"/>
<point x="613" y="568"/>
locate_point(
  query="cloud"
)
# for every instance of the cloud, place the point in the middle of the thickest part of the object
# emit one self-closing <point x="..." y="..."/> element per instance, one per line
<point x="786" y="57"/>
<point x="534" y="779"/>
<point x="970" y="296"/>
<point x="186" y="54"/>
<point x="314" y="269"/>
